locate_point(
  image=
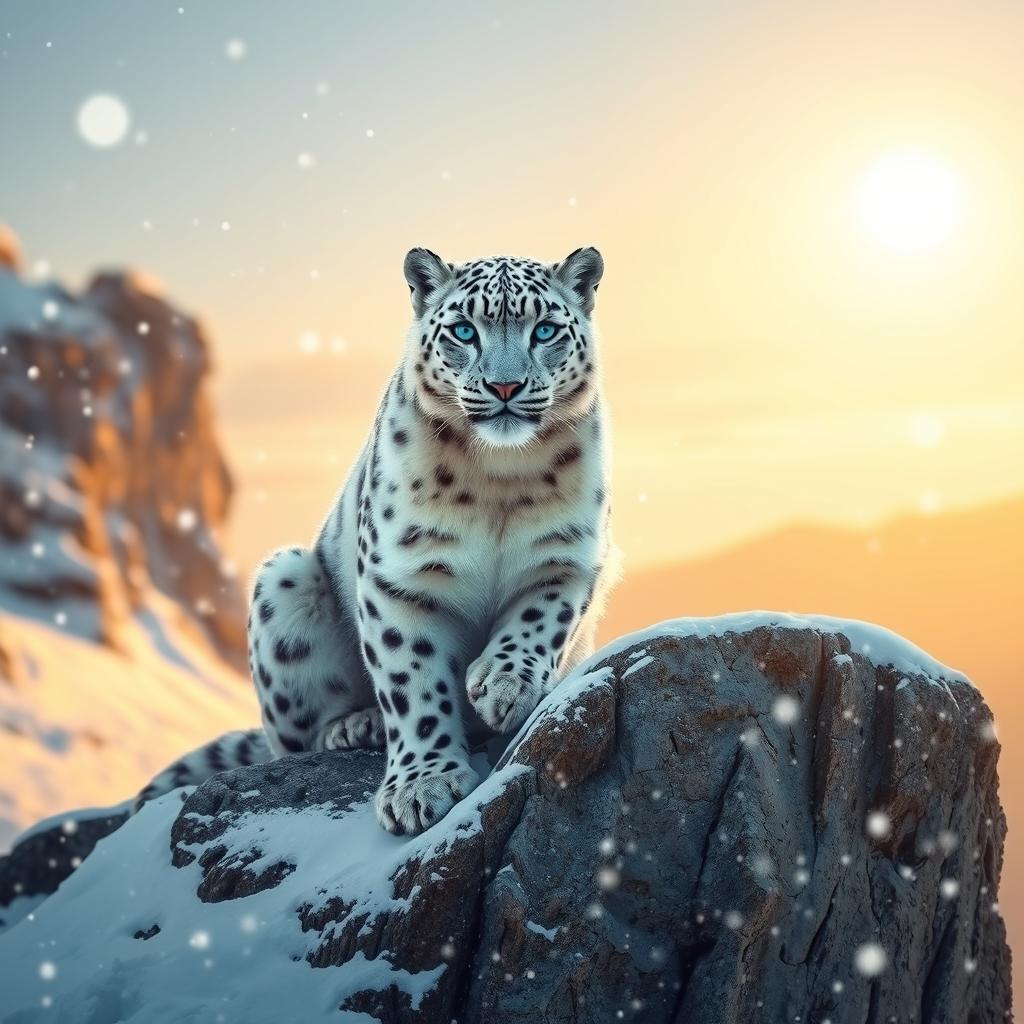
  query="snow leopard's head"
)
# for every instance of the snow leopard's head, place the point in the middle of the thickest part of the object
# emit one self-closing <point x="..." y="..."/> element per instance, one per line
<point x="505" y="343"/>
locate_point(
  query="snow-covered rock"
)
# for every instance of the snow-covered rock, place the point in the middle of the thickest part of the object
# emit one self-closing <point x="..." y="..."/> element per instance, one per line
<point x="748" y="818"/>
<point x="121" y="621"/>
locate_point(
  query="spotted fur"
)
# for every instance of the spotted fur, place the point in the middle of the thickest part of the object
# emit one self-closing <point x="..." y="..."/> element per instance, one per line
<point x="459" y="574"/>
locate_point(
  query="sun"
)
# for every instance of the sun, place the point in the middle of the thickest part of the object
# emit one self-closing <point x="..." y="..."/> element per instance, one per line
<point x="911" y="202"/>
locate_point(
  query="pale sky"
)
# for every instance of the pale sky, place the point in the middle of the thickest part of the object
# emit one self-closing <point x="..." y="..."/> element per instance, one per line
<point x="768" y="357"/>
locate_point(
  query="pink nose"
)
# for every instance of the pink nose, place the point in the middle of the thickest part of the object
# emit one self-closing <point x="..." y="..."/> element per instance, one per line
<point x="506" y="389"/>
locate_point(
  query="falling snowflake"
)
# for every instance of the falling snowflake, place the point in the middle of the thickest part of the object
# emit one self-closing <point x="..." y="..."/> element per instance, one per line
<point x="103" y="121"/>
<point x="200" y="940"/>
<point x="949" y="888"/>
<point x="187" y="520"/>
<point x="47" y="970"/>
<point x="309" y="342"/>
<point x="235" y="49"/>
<point x="50" y="310"/>
<point x="870" y="959"/>
<point x="785" y="710"/>
<point x="878" y="825"/>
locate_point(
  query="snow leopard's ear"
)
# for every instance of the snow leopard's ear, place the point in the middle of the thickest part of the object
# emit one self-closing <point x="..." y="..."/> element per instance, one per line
<point x="581" y="271"/>
<point x="426" y="272"/>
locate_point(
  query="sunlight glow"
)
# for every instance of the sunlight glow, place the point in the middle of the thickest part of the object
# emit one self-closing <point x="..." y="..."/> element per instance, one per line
<point x="910" y="202"/>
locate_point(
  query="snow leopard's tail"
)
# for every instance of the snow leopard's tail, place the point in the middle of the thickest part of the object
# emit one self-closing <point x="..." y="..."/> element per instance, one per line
<point x="232" y="750"/>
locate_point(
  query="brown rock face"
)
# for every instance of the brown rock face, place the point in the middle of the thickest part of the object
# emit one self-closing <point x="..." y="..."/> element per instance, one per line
<point x="756" y="825"/>
<point x="113" y="486"/>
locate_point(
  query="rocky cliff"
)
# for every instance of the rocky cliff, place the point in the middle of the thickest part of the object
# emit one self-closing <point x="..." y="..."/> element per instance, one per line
<point x="120" y="616"/>
<point x="113" y="487"/>
<point x="749" y="818"/>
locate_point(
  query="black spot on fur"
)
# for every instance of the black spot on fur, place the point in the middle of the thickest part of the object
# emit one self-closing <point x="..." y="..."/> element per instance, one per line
<point x="281" y="702"/>
<point x="401" y="703"/>
<point x="425" y="726"/>
<point x="371" y="655"/>
<point x="532" y="615"/>
<point x="392" y="638"/>
<point x="266" y="611"/>
<point x="286" y="652"/>
<point x="423" y="647"/>
<point x="558" y="639"/>
<point x="306" y="722"/>
<point x="286" y="584"/>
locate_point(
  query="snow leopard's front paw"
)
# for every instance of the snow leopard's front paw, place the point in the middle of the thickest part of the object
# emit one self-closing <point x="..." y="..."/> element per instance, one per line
<point x="412" y="804"/>
<point x="359" y="730"/>
<point x="501" y="698"/>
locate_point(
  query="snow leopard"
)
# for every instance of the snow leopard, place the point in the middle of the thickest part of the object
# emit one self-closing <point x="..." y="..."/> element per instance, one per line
<point x="461" y="571"/>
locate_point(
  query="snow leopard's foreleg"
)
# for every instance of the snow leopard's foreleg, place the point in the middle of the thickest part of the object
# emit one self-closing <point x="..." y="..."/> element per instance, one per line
<point x="412" y="652"/>
<point x="521" y="661"/>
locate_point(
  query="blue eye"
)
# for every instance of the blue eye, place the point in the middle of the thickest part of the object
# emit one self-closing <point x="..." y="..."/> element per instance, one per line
<point x="544" y="332"/>
<point x="464" y="331"/>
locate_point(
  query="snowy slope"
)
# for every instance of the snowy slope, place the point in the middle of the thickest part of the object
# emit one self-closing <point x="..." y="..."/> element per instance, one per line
<point x="84" y="725"/>
<point x="243" y="958"/>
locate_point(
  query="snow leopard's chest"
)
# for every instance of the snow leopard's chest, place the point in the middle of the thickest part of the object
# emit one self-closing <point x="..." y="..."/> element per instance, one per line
<point x="471" y="529"/>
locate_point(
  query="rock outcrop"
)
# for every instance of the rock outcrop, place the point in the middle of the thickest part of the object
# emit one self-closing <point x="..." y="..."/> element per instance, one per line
<point x="46" y="855"/>
<point x="750" y="818"/>
<point x="113" y="487"/>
